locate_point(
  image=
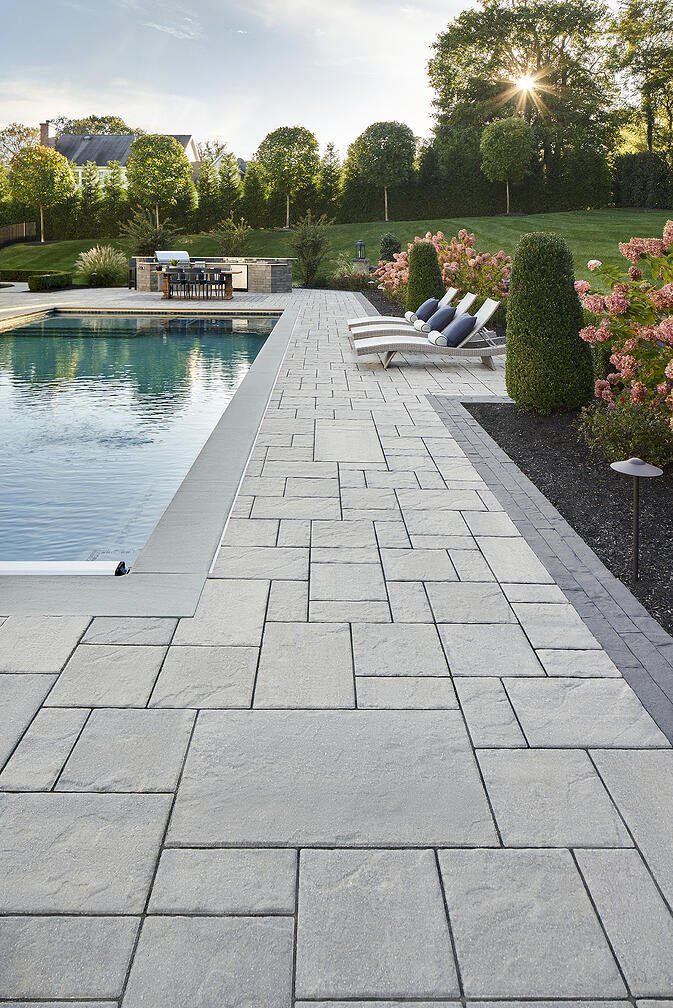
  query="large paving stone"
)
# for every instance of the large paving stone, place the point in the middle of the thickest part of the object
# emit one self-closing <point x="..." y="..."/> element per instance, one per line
<point x="350" y="582"/>
<point x="439" y="500"/>
<point x="397" y="1003"/>
<point x="248" y="532"/>
<point x="550" y="625"/>
<point x="469" y="603"/>
<point x="340" y="778"/>
<point x="338" y="533"/>
<point x="402" y="649"/>
<point x="261" y="562"/>
<point x="372" y="924"/>
<point x="409" y="602"/>
<point x="78" y="853"/>
<point x="130" y="630"/>
<point x="65" y="957"/>
<point x="641" y="783"/>
<point x="405" y="693"/>
<point x="349" y="612"/>
<point x="512" y="560"/>
<point x="38" y="643"/>
<point x="20" y="699"/>
<point x="417" y="565"/>
<point x="524" y="926"/>
<point x="435" y="523"/>
<point x="576" y="713"/>
<point x="193" y="676"/>
<point x="128" y="750"/>
<point x="488" y="713"/>
<point x="305" y="665"/>
<point x="106" y="675"/>
<point x="225" y="882"/>
<point x="550" y="798"/>
<point x="296" y="507"/>
<point x="39" y="757"/>
<point x="488" y="649"/>
<point x="229" y="613"/>
<point x="204" y="962"/>
<point x="569" y="662"/>
<point x="638" y="922"/>
<point x="342" y="441"/>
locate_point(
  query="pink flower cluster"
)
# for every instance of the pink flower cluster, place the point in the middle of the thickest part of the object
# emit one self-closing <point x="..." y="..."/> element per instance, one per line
<point x="636" y="321"/>
<point x="463" y="266"/>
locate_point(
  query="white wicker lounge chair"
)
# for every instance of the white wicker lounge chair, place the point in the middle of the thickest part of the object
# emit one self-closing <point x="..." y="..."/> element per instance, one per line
<point x="400" y="327"/>
<point x="380" y="319"/>
<point x="480" y="342"/>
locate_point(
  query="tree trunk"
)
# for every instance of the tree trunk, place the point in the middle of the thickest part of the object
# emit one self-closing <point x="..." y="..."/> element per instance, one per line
<point x="648" y="109"/>
<point x="287" y="211"/>
<point x="507" y="184"/>
<point x="385" y="202"/>
<point x="156" y="214"/>
<point x="41" y="224"/>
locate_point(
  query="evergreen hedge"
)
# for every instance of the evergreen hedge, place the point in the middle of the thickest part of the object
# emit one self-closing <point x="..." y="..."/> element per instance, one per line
<point x="548" y="367"/>
<point x="425" y="276"/>
<point x="389" y="245"/>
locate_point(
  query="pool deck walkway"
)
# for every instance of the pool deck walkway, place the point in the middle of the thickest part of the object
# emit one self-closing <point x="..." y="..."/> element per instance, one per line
<point x="386" y="762"/>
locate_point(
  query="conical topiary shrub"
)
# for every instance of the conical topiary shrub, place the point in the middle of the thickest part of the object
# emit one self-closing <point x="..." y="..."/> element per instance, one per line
<point x="548" y="367"/>
<point x="425" y="276"/>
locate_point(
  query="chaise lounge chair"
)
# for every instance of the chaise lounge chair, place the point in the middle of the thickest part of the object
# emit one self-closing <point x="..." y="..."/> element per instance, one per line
<point x="409" y="317"/>
<point x="477" y="342"/>
<point x="417" y="329"/>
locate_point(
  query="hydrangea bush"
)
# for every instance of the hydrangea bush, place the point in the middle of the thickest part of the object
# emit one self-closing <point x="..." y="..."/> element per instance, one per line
<point x="634" y="325"/>
<point x="483" y="273"/>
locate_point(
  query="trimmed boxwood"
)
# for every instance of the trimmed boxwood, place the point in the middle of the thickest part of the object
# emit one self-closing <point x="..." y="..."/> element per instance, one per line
<point x="548" y="367"/>
<point x="425" y="276"/>
<point x="390" y="244"/>
<point x="18" y="275"/>
<point x="49" y="281"/>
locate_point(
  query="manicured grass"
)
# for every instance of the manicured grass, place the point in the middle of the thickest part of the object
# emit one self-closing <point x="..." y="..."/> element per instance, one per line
<point x="591" y="235"/>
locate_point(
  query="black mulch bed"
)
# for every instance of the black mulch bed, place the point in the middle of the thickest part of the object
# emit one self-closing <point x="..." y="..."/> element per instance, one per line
<point x="382" y="303"/>
<point x="592" y="498"/>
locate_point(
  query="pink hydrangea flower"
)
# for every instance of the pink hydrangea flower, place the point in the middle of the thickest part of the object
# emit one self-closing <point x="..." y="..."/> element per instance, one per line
<point x="617" y="304"/>
<point x="594" y="303"/>
<point x="668" y="235"/>
<point x="638" y="392"/>
<point x="635" y="273"/>
<point x="582" y="286"/>
<point x="594" y="264"/>
<point x="668" y="370"/>
<point x="662" y="299"/>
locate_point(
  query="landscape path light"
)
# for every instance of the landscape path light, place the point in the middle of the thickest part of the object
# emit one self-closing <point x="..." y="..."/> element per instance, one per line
<point x="638" y="469"/>
<point x="360" y="249"/>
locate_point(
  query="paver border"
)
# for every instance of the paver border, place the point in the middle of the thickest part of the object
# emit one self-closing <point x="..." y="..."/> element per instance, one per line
<point x="639" y="647"/>
<point x="168" y="576"/>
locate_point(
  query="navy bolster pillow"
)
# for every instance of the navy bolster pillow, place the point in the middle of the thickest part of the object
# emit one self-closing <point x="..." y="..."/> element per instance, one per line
<point x="427" y="309"/>
<point x="458" y="330"/>
<point x="439" y="321"/>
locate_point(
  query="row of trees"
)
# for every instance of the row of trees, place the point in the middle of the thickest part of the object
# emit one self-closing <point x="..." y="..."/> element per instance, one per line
<point x="547" y="97"/>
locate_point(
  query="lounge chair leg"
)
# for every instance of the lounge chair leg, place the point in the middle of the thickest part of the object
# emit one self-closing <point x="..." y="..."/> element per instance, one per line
<point x="387" y="357"/>
<point x="488" y="363"/>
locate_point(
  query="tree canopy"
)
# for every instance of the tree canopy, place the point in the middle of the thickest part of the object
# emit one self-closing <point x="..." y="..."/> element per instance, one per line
<point x="14" y="137"/>
<point x="507" y="147"/>
<point x="289" y="159"/>
<point x="384" y="155"/>
<point x="41" y="177"/>
<point x="92" y="125"/>
<point x="548" y="60"/>
<point x="159" y="173"/>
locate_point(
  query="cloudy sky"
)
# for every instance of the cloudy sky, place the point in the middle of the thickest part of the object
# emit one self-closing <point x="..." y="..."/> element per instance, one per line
<point x="221" y="68"/>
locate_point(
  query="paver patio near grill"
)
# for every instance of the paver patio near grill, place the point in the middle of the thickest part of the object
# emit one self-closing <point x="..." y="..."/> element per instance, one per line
<point x="399" y="769"/>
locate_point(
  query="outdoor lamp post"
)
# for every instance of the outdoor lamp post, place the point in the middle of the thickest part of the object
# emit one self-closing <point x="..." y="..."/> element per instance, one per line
<point x="638" y="469"/>
<point x="360" y="249"/>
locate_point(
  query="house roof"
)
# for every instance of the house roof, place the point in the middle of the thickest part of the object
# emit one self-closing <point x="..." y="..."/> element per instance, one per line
<point x="102" y="148"/>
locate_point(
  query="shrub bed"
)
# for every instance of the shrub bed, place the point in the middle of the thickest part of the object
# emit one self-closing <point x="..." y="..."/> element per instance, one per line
<point x="591" y="497"/>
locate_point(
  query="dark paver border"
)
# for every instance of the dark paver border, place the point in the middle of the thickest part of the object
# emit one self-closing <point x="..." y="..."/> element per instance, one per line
<point x="640" y="648"/>
<point x="169" y="573"/>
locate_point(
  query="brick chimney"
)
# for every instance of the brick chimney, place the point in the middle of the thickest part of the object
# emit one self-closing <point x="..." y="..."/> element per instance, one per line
<point x="47" y="134"/>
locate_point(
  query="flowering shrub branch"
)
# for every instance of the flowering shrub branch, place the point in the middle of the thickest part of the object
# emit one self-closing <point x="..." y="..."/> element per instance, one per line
<point x="483" y="273"/>
<point x="635" y="320"/>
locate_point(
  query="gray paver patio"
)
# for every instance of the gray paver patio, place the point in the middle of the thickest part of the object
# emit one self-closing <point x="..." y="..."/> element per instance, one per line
<point x="381" y="679"/>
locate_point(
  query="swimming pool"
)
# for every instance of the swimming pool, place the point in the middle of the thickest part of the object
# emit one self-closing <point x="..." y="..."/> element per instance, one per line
<point x="102" y="416"/>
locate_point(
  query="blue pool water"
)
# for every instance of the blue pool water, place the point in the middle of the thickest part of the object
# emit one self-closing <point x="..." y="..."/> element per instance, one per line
<point x="101" y="418"/>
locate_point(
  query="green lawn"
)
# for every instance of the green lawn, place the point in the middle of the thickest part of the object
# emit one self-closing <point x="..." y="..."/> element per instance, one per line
<point x="590" y="234"/>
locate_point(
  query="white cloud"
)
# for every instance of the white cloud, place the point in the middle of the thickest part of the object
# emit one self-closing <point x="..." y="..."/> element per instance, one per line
<point x="186" y="28"/>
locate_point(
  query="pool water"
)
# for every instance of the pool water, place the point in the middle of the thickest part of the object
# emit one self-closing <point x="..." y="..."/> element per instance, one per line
<point x="101" y="418"/>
